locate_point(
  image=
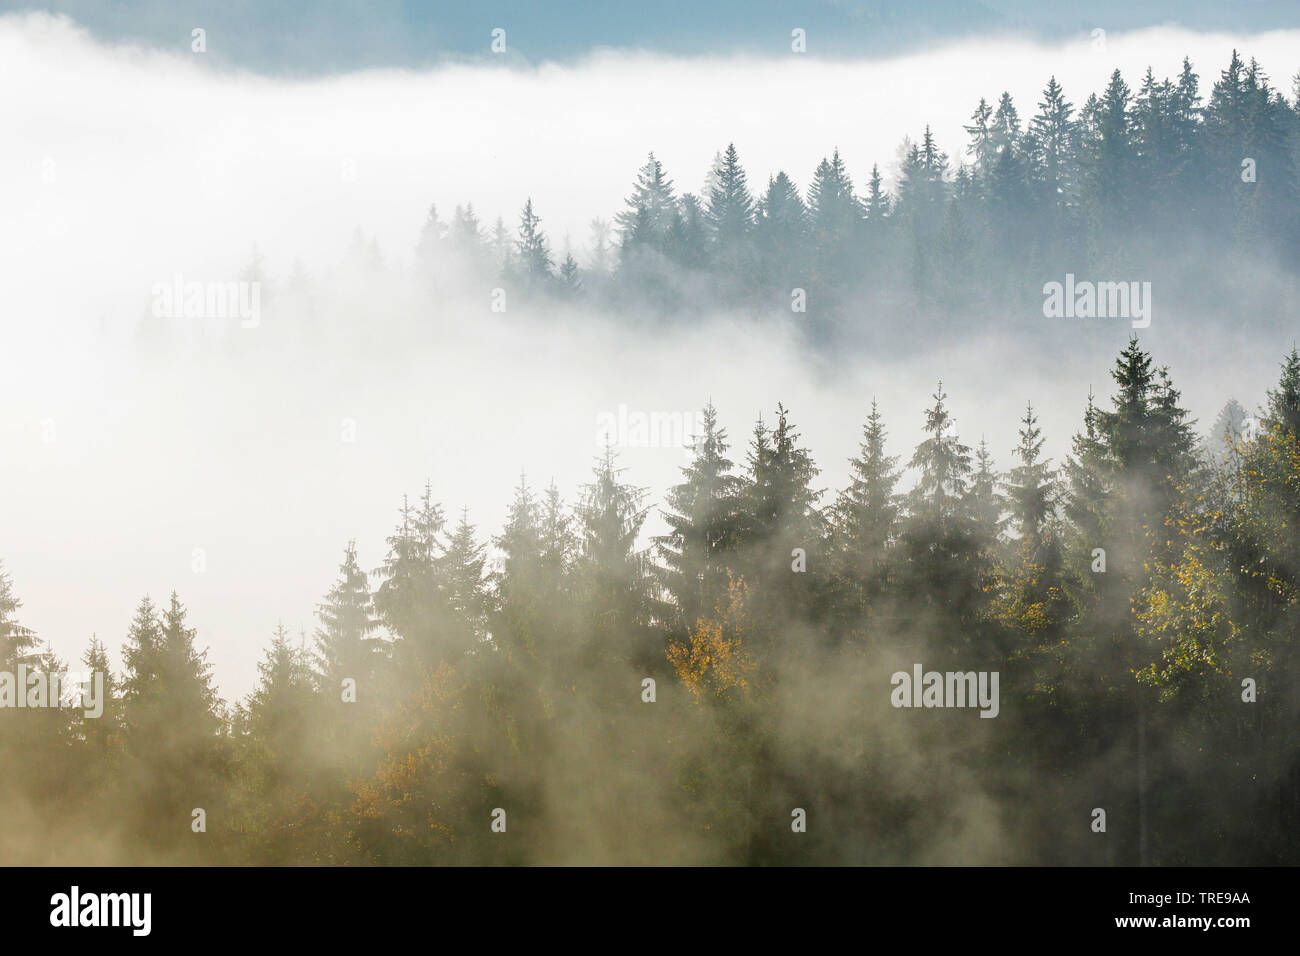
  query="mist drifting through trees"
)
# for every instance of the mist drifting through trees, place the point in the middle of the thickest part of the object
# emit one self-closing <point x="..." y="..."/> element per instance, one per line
<point x="663" y="676"/>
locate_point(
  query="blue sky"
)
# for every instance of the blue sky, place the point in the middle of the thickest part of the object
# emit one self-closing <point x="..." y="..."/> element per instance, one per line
<point x="313" y="38"/>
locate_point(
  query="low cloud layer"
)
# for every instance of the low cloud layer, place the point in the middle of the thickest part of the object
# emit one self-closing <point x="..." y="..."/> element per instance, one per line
<point x="124" y="167"/>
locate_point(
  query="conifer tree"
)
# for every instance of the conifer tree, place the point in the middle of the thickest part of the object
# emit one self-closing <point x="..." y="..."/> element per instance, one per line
<point x="185" y="676"/>
<point x="781" y="526"/>
<point x="518" y="581"/>
<point x="834" y="218"/>
<point x="141" y="654"/>
<point x="1089" y="490"/>
<point x="1052" y="152"/>
<point x="730" y="211"/>
<point x="1031" y="485"/>
<point x="650" y="208"/>
<point x="1133" y="467"/>
<point x="467" y="591"/>
<point x="347" y="645"/>
<point x="1031" y="594"/>
<point x="17" y="643"/>
<point x="570" y="277"/>
<point x="945" y="563"/>
<point x="1109" y="160"/>
<point x="687" y="243"/>
<point x="535" y="263"/>
<point x="944" y="464"/>
<point x="1147" y="438"/>
<point x="613" y="573"/>
<point x="467" y="245"/>
<point x="781" y="233"/>
<point x="504" y="257"/>
<point x="281" y="708"/>
<point x="173" y="746"/>
<point x="600" y="255"/>
<point x="981" y="147"/>
<point x="876" y="203"/>
<point x="520" y="542"/>
<point x="868" y="510"/>
<point x="864" y="525"/>
<point x="1282" y="410"/>
<point x="432" y="234"/>
<point x="411" y="599"/>
<point x="922" y="196"/>
<point x="100" y="735"/>
<point x="1005" y="131"/>
<point x="984" y="502"/>
<point x="559" y="539"/>
<point x="281" y="750"/>
<point x="701" y="518"/>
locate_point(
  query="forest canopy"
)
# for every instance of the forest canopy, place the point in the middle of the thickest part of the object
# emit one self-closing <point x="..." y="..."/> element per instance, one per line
<point x="579" y="694"/>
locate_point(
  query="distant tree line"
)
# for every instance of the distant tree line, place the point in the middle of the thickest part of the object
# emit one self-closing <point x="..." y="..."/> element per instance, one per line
<point x="1159" y="182"/>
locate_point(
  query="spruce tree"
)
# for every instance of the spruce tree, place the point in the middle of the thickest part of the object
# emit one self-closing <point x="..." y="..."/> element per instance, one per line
<point x="1282" y="410"/>
<point x="981" y="147"/>
<point x="687" y="242"/>
<point x="876" y="203"/>
<point x="1109" y="161"/>
<point x="834" y="219"/>
<point x="282" y="706"/>
<point x="944" y="464"/>
<point x="1147" y="438"/>
<point x="520" y="542"/>
<point x="141" y="655"/>
<point x="534" y="253"/>
<point x="505" y="260"/>
<point x="570" y="277"/>
<point x="1053" y="154"/>
<point x="517" y="580"/>
<point x="185" y="677"/>
<point x="867" y="512"/>
<point x="650" y="207"/>
<point x="467" y="592"/>
<point x="781" y="526"/>
<point x="613" y="573"/>
<point x="1005" y="131"/>
<point x="432" y="235"/>
<point x="172" y="721"/>
<point x="731" y="214"/>
<point x="347" y="643"/>
<point x="17" y="643"/>
<point x="781" y="234"/>
<point x="467" y="247"/>
<point x="559" y="539"/>
<point x="701" y="518"/>
<point x="1031" y="485"/>
<point x="864" y="525"/>
<point x="411" y="597"/>
<point x="100" y="734"/>
<point x="985" y="503"/>
<point x="942" y="548"/>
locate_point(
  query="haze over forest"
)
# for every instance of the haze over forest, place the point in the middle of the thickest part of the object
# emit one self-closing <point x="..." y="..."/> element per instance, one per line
<point x="463" y="271"/>
<point x="242" y="161"/>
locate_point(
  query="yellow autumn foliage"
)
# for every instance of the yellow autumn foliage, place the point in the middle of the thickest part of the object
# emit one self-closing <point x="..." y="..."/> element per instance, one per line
<point x="713" y="662"/>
